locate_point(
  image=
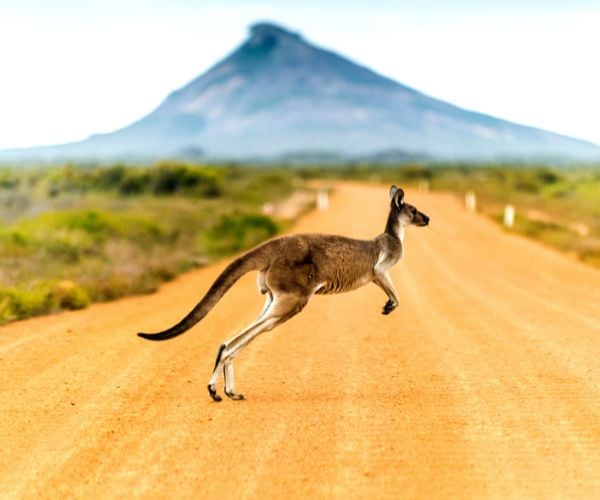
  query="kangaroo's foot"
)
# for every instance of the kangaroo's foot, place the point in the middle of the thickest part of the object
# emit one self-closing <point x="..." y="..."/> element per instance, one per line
<point x="212" y="390"/>
<point x="389" y="307"/>
<point x="234" y="396"/>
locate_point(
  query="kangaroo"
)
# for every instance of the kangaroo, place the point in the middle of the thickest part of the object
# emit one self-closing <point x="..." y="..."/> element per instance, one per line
<point x="292" y="269"/>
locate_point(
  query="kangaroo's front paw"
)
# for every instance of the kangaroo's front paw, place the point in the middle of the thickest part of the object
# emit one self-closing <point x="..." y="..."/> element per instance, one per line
<point x="389" y="307"/>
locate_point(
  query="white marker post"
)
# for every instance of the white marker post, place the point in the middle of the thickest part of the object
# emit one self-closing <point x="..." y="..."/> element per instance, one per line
<point x="471" y="201"/>
<point x="268" y="209"/>
<point x="322" y="201"/>
<point x="509" y="215"/>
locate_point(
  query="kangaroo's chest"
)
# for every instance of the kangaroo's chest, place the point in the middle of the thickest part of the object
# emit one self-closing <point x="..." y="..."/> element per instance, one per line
<point x="387" y="258"/>
<point x="386" y="261"/>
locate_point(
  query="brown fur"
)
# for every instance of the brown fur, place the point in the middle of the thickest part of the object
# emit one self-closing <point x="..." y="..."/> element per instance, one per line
<point x="293" y="268"/>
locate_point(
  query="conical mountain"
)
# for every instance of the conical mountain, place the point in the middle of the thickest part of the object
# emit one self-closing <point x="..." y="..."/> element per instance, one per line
<point x="277" y="94"/>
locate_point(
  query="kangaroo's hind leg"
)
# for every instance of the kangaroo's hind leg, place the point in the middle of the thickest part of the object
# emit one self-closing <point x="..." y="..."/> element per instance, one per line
<point x="221" y="358"/>
<point x="281" y="308"/>
<point x="223" y="362"/>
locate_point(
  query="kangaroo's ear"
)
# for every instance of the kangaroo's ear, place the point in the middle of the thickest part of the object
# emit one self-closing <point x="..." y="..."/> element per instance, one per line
<point x="393" y="190"/>
<point x="398" y="197"/>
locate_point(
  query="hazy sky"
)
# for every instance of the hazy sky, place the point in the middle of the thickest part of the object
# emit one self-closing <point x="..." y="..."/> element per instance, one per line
<point x="72" y="68"/>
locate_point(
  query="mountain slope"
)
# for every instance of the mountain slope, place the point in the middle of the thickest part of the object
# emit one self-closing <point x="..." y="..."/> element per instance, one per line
<point x="277" y="94"/>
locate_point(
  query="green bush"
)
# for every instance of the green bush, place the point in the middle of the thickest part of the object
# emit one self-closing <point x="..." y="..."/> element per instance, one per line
<point x="14" y="243"/>
<point x="70" y="296"/>
<point x="548" y="176"/>
<point x="41" y="298"/>
<point x="133" y="183"/>
<point x="234" y="233"/>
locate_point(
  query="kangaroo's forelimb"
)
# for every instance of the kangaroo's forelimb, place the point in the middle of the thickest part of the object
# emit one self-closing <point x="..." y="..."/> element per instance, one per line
<point x="384" y="282"/>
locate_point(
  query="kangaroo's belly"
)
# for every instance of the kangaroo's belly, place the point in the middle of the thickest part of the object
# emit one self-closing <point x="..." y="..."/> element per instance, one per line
<point x="334" y="285"/>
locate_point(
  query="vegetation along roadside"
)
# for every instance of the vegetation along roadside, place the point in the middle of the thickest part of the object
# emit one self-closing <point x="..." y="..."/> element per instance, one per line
<point x="70" y="235"/>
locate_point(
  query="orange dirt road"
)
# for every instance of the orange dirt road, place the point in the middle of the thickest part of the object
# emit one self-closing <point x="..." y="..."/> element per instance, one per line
<point x="484" y="382"/>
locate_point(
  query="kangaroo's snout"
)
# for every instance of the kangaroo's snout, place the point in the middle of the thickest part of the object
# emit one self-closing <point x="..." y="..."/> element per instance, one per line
<point x="420" y="219"/>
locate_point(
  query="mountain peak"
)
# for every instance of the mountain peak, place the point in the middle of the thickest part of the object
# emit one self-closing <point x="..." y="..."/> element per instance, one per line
<point x="261" y="32"/>
<point x="279" y="94"/>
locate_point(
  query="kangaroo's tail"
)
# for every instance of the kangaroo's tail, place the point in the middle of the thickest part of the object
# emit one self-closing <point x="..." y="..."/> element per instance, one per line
<point x="253" y="260"/>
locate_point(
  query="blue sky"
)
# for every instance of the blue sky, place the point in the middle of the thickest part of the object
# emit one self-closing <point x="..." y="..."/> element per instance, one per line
<point x="69" y="69"/>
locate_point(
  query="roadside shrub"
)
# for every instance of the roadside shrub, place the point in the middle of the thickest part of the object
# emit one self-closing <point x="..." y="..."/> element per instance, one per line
<point x="591" y="254"/>
<point x="41" y="298"/>
<point x="547" y="176"/>
<point x="527" y="186"/>
<point x="23" y="303"/>
<point x="110" y="177"/>
<point x="237" y="232"/>
<point x="92" y="222"/>
<point x="8" y="180"/>
<point x="70" y="296"/>
<point x="168" y="178"/>
<point x="414" y="172"/>
<point x="133" y="183"/>
<point x="14" y="243"/>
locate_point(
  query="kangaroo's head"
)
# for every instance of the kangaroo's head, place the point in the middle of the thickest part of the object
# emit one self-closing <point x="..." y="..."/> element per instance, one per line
<point x="406" y="214"/>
